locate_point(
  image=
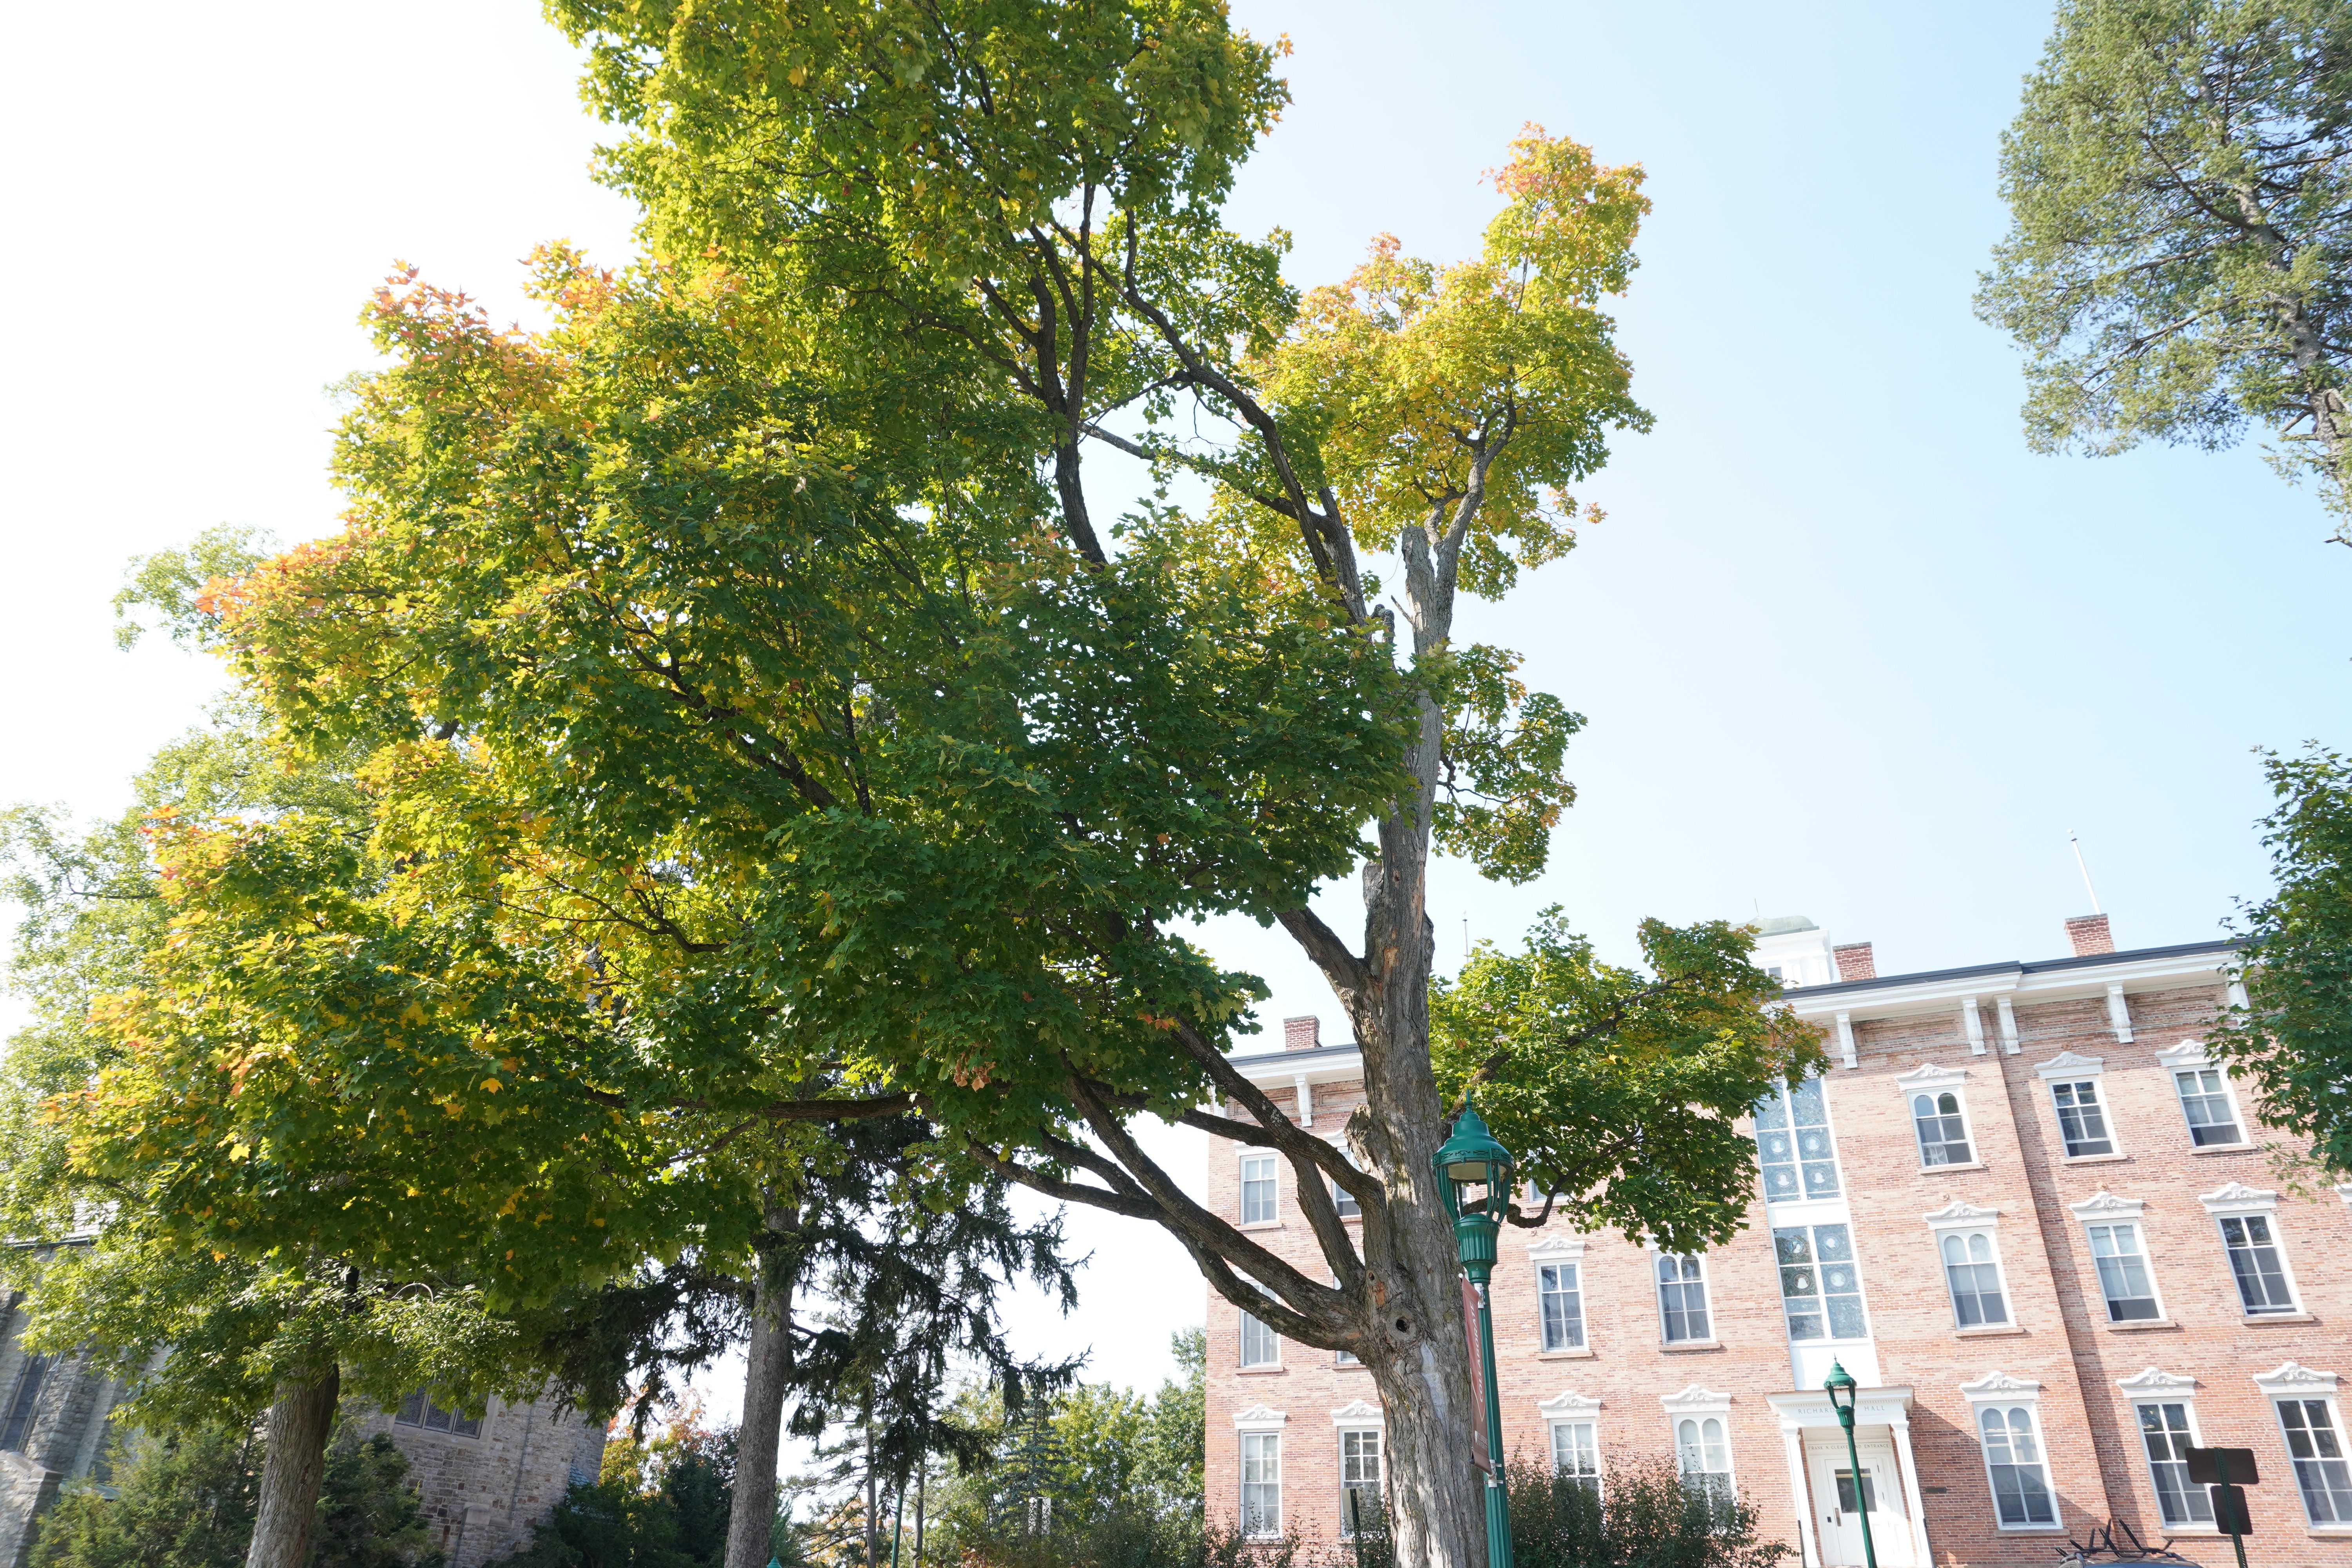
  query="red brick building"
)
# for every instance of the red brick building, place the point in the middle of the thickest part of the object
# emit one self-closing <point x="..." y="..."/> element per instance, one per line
<point x="2020" y="1206"/>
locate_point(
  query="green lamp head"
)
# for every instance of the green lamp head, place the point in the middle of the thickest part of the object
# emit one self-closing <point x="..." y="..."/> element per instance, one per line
<point x="1473" y="1180"/>
<point x="1841" y="1386"/>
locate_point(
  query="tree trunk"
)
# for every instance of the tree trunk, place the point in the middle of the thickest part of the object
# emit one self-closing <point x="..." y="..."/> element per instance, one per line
<point x="291" y="1470"/>
<point x="873" y="1518"/>
<point x="767" y="1370"/>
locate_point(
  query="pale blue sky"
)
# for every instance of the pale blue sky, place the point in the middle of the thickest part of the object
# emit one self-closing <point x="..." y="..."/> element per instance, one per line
<point x="1847" y="650"/>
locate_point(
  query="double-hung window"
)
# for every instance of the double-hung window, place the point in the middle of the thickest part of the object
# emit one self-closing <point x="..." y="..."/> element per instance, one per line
<point x="2205" y="1101"/>
<point x="2124" y="1277"/>
<point x="1257" y="1189"/>
<point x="1260" y="1483"/>
<point x="1682" y="1298"/>
<point x="2082" y="1120"/>
<point x="1260" y="1347"/>
<point x="1820" y="1288"/>
<point x="1360" y="1477"/>
<point x="1793" y="1146"/>
<point x="1575" y="1455"/>
<point x="1704" y="1456"/>
<point x="2255" y="1262"/>
<point x="2317" y="1449"/>
<point x="2164" y="1429"/>
<point x="1943" y="1134"/>
<point x="1560" y="1300"/>
<point x="1972" y="1273"/>
<point x="2020" y="1487"/>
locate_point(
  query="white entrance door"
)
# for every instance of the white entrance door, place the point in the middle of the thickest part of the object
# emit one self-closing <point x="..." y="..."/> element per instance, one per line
<point x="1836" y="1507"/>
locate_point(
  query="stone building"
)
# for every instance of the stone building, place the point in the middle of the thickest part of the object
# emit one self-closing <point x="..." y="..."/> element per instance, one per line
<point x="484" y="1483"/>
<point x="2022" y="1206"/>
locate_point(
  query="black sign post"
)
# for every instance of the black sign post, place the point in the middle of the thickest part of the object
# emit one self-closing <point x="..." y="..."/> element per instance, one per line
<point x="2229" y="1471"/>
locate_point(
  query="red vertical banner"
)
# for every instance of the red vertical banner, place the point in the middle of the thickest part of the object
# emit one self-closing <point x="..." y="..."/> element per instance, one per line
<point x="1477" y="1375"/>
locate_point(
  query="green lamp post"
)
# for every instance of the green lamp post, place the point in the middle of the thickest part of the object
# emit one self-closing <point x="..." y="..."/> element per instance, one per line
<point x="1841" y="1386"/>
<point x="1474" y="1179"/>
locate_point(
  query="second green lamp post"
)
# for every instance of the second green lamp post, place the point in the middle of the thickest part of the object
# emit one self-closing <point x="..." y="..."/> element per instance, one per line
<point x="1474" y="1179"/>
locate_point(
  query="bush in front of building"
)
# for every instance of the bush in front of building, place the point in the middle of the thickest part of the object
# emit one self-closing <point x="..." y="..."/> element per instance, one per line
<point x="1647" y="1517"/>
<point x="188" y="1502"/>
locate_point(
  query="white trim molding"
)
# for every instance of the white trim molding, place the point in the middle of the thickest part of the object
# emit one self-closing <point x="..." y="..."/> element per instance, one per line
<point x="1972" y="1025"/>
<point x="2155" y="1382"/>
<point x="2070" y="1065"/>
<point x="2104" y="1204"/>
<point x="1305" y="1091"/>
<point x="1557" y="1249"/>
<point x="1999" y="1387"/>
<point x="2344" y="1192"/>
<point x="1927" y="1078"/>
<point x="1696" y="1400"/>
<point x="1258" y="1418"/>
<point x="2119" y="1014"/>
<point x="2236" y="1197"/>
<point x="2009" y="1044"/>
<point x="1568" y="1406"/>
<point x="1358" y="1414"/>
<point x="2186" y="1055"/>
<point x="2292" y="1379"/>
<point x="1846" y="1039"/>
<point x="1955" y="1214"/>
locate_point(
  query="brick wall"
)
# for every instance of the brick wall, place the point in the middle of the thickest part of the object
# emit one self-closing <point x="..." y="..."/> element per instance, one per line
<point x="2057" y="1336"/>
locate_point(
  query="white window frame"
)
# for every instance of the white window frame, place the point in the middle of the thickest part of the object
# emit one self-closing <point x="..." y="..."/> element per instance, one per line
<point x="1829" y="1126"/>
<point x="2190" y="1056"/>
<point x="1555" y="1252"/>
<point x="2068" y="1067"/>
<point x="1934" y="1080"/>
<point x="1964" y="1220"/>
<point x="1256" y="1421"/>
<point x="2157" y="1387"/>
<point x="1242" y="1345"/>
<point x="2102" y="1207"/>
<point x="1250" y="1157"/>
<point x="2293" y="1380"/>
<point x="1571" y="1408"/>
<point x="1701" y="1404"/>
<point x="1658" y="1294"/>
<point x="1998" y="1389"/>
<point x="1357" y="1416"/>
<point x="2238" y="1201"/>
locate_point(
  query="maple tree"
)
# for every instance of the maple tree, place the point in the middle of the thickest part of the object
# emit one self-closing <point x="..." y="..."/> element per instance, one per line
<point x="2178" y="261"/>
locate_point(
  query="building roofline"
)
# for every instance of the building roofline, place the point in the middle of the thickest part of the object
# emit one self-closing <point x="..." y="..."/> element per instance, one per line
<point x="2014" y="966"/>
<point x="1312" y="1054"/>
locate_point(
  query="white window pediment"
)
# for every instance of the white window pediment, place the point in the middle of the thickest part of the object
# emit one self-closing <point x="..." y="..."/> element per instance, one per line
<point x="1558" y="1249"/>
<point x="1695" y="1398"/>
<point x="1997" y="1385"/>
<point x="2104" y="1204"/>
<point x="2186" y="1055"/>
<point x="1957" y="1212"/>
<point x="1569" y="1403"/>
<point x="1357" y="1413"/>
<point x="1258" y="1418"/>
<point x="2239" y="1199"/>
<point x="1928" y="1079"/>
<point x="2153" y="1381"/>
<point x="2071" y="1065"/>
<point x="2292" y="1377"/>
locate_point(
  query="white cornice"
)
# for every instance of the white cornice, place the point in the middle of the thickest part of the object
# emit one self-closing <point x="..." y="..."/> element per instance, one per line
<point x="2000" y="1385"/>
<point x="1957" y="1212"/>
<point x="1995" y="983"/>
<point x="1357" y="1413"/>
<point x="1558" y="1249"/>
<point x="1695" y="1398"/>
<point x="2155" y="1382"/>
<point x="1927" y="1078"/>
<point x="2069" y="1064"/>
<point x="1569" y="1403"/>
<point x="2104" y="1204"/>
<point x="1257" y="1418"/>
<point x="1274" y="1072"/>
<point x="2291" y="1377"/>
<point x="2236" y="1197"/>
<point x="2186" y="1054"/>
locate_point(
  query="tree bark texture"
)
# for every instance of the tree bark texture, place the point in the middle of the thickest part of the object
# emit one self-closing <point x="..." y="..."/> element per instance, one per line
<point x="768" y="1358"/>
<point x="293" y="1470"/>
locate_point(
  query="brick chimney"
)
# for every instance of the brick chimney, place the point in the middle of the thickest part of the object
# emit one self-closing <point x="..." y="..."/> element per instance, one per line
<point x="2089" y="934"/>
<point x="1301" y="1034"/>
<point x="1854" y="963"/>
